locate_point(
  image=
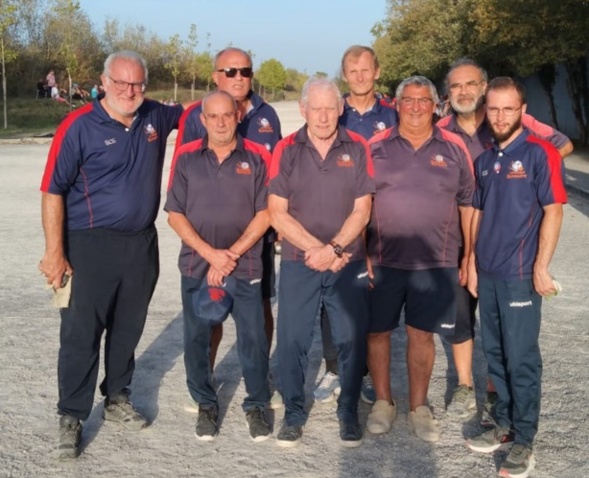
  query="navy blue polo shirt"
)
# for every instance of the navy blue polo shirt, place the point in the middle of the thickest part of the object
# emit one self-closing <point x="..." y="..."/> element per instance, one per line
<point x="260" y="125"/>
<point x="483" y="137"/>
<point x="110" y="175"/>
<point x="381" y="116"/>
<point x="321" y="193"/>
<point x="219" y="200"/>
<point x="415" y="222"/>
<point x="513" y="185"/>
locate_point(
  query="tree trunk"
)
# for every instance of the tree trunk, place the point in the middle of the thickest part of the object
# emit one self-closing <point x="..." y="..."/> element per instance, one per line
<point x="175" y="90"/>
<point x="574" y="86"/>
<point x="547" y="77"/>
<point x="3" y="59"/>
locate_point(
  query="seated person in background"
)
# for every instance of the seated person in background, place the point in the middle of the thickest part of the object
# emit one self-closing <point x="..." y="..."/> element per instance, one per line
<point x="94" y="91"/>
<point x="41" y="90"/>
<point x="56" y="95"/>
<point x="78" y="93"/>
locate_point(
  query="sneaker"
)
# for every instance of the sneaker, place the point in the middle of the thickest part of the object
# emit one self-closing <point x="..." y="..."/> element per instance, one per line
<point x="423" y="425"/>
<point x="289" y="436"/>
<point x="191" y="405"/>
<point x="491" y="440"/>
<point x="328" y="389"/>
<point x="350" y="433"/>
<point x="206" y="423"/>
<point x="257" y="425"/>
<point x="463" y="403"/>
<point x="122" y="412"/>
<point x="367" y="394"/>
<point x="488" y="416"/>
<point x="380" y="419"/>
<point x="70" y="436"/>
<point x="518" y="463"/>
<point x="276" y="401"/>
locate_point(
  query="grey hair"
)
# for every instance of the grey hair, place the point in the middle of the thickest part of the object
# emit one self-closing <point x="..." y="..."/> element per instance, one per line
<point x="232" y="49"/>
<point x="125" y="55"/>
<point x="322" y="83"/>
<point x="464" y="62"/>
<point x="218" y="93"/>
<point x="417" y="81"/>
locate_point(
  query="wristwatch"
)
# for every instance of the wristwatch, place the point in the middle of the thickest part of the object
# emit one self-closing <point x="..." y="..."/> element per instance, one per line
<point x="339" y="250"/>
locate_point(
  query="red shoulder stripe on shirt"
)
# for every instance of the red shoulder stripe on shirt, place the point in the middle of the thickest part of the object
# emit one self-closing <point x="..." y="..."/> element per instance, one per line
<point x="457" y="140"/>
<point x="382" y="135"/>
<point x="260" y="150"/>
<point x="387" y="104"/>
<point x="277" y="154"/>
<point x="55" y="149"/>
<point x="360" y="139"/>
<point x="555" y="167"/>
<point x="184" y="148"/>
<point x="182" y="124"/>
<point x="444" y="122"/>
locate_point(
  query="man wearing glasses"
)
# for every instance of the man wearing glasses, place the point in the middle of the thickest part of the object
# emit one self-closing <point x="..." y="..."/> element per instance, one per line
<point x="515" y="229"/>
<point x="100" y="198"/>
<point x="465" y="83"/>
<point x="258" y="122"/>
<point x="422" y="208"/>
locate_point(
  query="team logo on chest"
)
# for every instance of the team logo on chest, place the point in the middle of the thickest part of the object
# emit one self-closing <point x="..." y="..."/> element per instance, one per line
<point x="516" y="170"/>
<point x="150" y="132"/>
<point x="345" y="161"/>
<point x="244" y="168"/>
<point x="379" y="126"/>
<point x="438" y="161"/>
<point x="264" y="126"/>
<point x="497" y="167"/>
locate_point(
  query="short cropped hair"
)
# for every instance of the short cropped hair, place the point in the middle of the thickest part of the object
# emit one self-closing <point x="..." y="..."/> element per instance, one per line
<point x="323" y="83"/>
<point x="506" y="83"/>
<point x="126" y="55"/>
<point x="417" y="81"/>
<point x="464" y="62"/>
<point x="355" y="51"/>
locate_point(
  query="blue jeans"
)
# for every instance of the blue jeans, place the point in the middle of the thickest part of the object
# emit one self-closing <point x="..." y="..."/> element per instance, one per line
<point x="510" y="327"/>
<point x="252" y="345"/>
<point x="345" y="297"/>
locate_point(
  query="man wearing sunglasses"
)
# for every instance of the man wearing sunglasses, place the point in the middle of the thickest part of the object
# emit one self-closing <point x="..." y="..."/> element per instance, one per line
<point x="100" y="198"/>
<point x="258" y="122"/>
<point x="465" y="83"/>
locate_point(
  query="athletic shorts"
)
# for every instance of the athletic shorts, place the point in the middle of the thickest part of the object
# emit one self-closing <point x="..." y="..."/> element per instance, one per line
<point x="428" y="296"/>
<point x="466" y="306"/>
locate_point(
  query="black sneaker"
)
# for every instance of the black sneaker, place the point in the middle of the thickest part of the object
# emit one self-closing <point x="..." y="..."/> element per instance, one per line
<point x="519" y="463"/>
<point x="70" y="436"/>
<point x="121" y="411"/>
<point x="289" y="436"/>
<point x="488" y="416"/>
<point x="206" y="423"/>
<point x="258" y="427"/>
<point x="350" y="433"/>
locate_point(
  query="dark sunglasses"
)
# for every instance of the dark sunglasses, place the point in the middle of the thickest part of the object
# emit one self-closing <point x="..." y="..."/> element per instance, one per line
<point x="246" y="72"/>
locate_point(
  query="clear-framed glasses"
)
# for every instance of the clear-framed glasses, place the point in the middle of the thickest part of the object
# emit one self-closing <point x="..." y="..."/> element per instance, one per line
<point x="469" y="85"/>
<point x="246" y="72"/>
<point x="408" y="101"/>
<point x="507" y="111"/>
<point x="124" y="85"/>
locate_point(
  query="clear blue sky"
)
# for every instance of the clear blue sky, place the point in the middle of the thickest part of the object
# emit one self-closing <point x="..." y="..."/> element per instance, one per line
<point x="309" y="35"/>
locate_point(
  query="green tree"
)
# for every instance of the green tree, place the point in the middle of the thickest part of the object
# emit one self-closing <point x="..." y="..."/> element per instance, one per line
<point x="295" y="79"/>
<point x="192" y="58"/>
<point x="272" y="75"/>
<point x="173" y="61"/>
<point x="8" y="18"/>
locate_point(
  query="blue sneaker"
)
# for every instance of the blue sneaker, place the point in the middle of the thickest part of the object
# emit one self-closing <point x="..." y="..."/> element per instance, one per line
<point x="328" y="388"/>
<point x="368" y="395"/>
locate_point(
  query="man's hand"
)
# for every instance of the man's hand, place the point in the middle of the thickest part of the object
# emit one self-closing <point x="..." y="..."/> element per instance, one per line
<point x="320" y="258"/>
<point x="215" y="277"/>
<point x="543" y="282"/>
<point x="340" y="262"/>
<point x="463" y="272"/>
<point x="223" y="260"/>
<point x="472" y="279"/>
<point x="370" y="273"/>
<point x="53" y="267"/>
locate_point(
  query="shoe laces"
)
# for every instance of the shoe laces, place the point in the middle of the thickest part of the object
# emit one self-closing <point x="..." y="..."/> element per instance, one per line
<point x="367" y="382"/>
<point x="517" y="453"/>
<point x="328" y="379"/>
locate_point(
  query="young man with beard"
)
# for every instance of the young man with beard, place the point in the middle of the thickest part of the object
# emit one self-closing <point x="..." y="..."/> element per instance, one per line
<point x="465" y="83"/>
<point x="515" y="229"/>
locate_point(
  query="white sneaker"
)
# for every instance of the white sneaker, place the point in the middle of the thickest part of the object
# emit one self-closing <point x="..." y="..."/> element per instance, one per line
<point x="328" y="388"/>
<point x="422" y="423"/>
<point x="190" y="405"/>
<point x="276" y="401"/>
<point x="380" y="419"/>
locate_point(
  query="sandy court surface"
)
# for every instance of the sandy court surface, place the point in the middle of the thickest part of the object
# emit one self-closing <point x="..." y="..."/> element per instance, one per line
<point x="28" y="391"/>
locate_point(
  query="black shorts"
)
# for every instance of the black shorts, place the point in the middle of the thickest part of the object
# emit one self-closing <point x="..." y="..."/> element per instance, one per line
<point x="466" y="306"/>
<point x="429" y="298"/>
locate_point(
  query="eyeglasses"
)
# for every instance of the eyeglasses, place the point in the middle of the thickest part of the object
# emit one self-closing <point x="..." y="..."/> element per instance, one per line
<point x="245" y="72"/>
<point x="470" y="85"/>
<point x="408" y="101"/>
<point x="124" y="85"/>
<point x="507" y="111"/>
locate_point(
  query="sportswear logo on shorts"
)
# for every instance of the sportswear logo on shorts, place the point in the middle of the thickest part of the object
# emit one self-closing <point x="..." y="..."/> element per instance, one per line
<point x="150" y="132"/>
<point x="264" y="126"/>
<point x="361" y="276"/>
<point x="447" y="326"/>
<point x="438" y="161"/>
<point x="516" y="170"/>
<point x="345" y="161"/>
<point x="243" y="168"/>
<point x="255" y="281"/>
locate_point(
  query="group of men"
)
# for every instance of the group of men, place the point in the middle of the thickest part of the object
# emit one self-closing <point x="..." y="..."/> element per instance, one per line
<point x="368" y="228"/>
